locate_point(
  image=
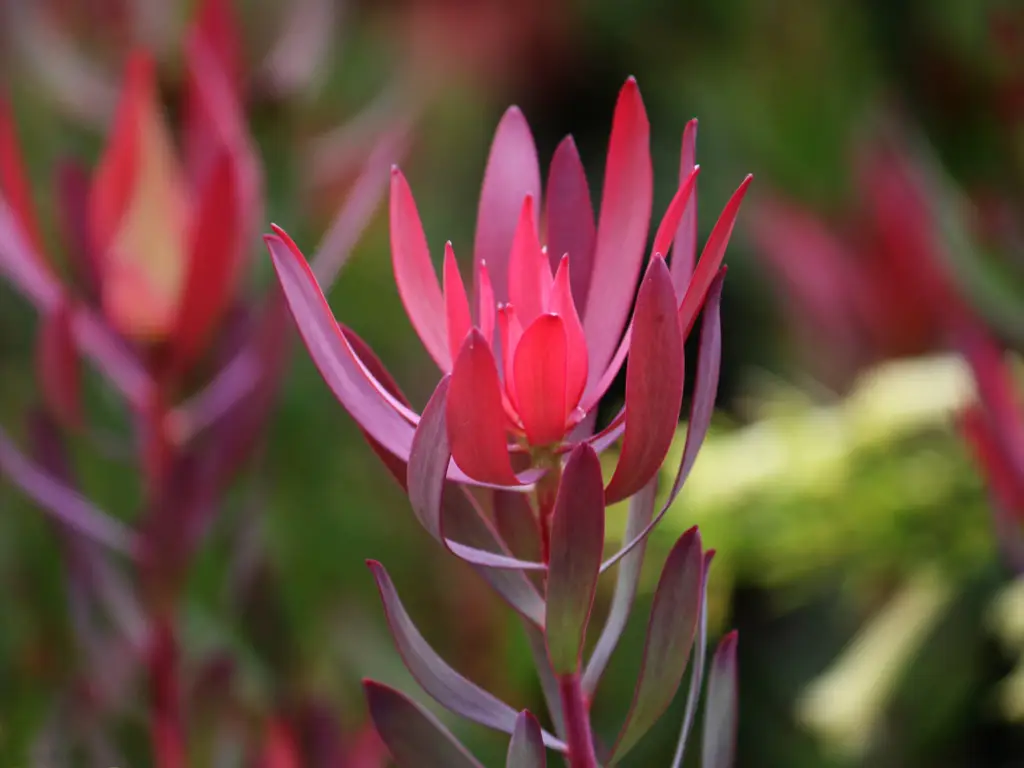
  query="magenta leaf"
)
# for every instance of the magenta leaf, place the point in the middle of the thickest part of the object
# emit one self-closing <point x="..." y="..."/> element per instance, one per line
<point x="540" y="371"/>
<point x="720" y="708"/>
<point x="62" y="502"/>
<point x="448" y="687"/>
<point x="476" y="419"/>
<point x="413" y="736"/>
<point x="670" y="631"/>
<point x="428" y="462"/>
<point x="641" y="510"/>
<point x="414" y="273"/>
<point x="577" y="540"/>
<point x="697" y="668"/>
<point x="512" y="173"/>
<point x="526" y="749"/>
<point x="684" y="250"/>
<point x="666" y="233"/>
<point x="72" y="189"/>
<point x="654" y="384"/>
<point x="621" y="229"/>
<point x="569" y="214"/>
<point x="711" y="259"/>
<point x="709" y="358"/>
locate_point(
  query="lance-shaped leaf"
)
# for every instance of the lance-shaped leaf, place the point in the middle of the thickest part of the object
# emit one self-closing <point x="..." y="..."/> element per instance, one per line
<point x="57" y="367"/>
<point x="670" y="631"/>
<point x="14" y="186"/>
<point x="414" y="737"/>
<point x="61" y="501"/>
<point x="641" y="510"/>
<point x="448" y="687"/>
<point x="684" y="249"/>
<point x="697" y="668"/>
<point x="526" y="749"/>
<point x="622" y="227"/>
<point x="654" y="384"/>
<point x="546" y="676"/>
<point x="512" y="174"/>
<point x="709" y="358"/>
<point x="577" y="539"/>
<point x="569" y="217"/>
<point x="711" y="259"/>
<point x="720" y="709"/>
<point x="428" y="462"/>
<point x="476" y="419"/>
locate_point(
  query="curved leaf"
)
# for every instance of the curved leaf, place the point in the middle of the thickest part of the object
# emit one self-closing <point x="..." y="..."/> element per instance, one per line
<point x="684" y="250"/>
<point x="540" y="369"/>
<point x="697" y="668"/>
<point x="413" y="736"/>
<point x="569" y="217"/>
<point x="448" y="687"/>
<point x="720" y="709"/>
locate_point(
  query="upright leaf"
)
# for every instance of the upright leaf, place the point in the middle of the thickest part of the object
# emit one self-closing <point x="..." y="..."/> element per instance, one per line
<point x="526" y="749"/>
<point x="720" y="709"/>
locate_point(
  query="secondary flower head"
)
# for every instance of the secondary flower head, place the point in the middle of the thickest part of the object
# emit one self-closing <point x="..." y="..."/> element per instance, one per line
<point x="538" y="340"/>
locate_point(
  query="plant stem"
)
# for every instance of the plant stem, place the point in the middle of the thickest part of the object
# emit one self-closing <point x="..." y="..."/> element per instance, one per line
<point x="165" y="696"/>
<point x="577" y="722"/>
<point x="545" y="494"/>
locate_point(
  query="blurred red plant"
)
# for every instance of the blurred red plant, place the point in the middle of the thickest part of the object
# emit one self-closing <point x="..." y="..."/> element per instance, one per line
<point x="540" y="390"/>
<point x="149" y="293"/>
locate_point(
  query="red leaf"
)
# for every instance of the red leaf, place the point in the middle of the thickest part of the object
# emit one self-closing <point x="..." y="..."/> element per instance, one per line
<point x="457" y="319"/>
<point x="654" y="384"/>
<point x="512" y="174"/>
<point x="562" y="304"/>
<point x="569" y="217"/>
<point x="476" y="419"/>
<point x="577" y="540"/>
<point x="674" y="214"/>
<point x="684" y="251"/>
<point x="529" y="274"/>
<point x="621" y="229"/>
<point x="14" y="185"/>
<point x="58" y="367"/>
<point x="540" y="371"/>
<point x="414" y="273"/>
<point x="711" y="259"/>
<point x="670" y="632"/>
<point x="414" y="737"/>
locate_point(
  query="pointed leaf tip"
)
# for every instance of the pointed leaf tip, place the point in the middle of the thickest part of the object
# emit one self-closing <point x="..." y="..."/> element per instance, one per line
<point x="720" y="716"/>
<point x="526" y="749"/>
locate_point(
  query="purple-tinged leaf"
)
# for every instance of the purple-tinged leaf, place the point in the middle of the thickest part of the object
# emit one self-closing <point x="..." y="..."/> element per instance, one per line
<point x="666" y="233"/>
<point x="413" y="736"/>
<point x="654" y="384"/>
<point x="710" y="259"/>
<point x="569" y="217"/>
<point x="546" y="676"/>
<point x="709" y="358"/>
<point x="414" y="273"/>
<point x="448" y="687"/>
<point x="577" y="540"/>
<point x="641" y="510"/>
<point x="720" y="708"/>
<point x="526" y="749"/>
<point x="684" y="250"/>
<point x="428" y="462"/>
<point x="476" y="417"/>
<point x="517" y="524"/>
<point x="62" y="502"/>
<point x="697" y="668"/>
<point x="512" y="173"/>
<point x="57" y="367"/>
<point x="670" y="631"/>
<point x="72" y="185"/>
<point x="621" y="229"/>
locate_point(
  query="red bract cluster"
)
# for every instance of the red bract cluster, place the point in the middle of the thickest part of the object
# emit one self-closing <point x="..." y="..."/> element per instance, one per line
<point x="525" y="357"/>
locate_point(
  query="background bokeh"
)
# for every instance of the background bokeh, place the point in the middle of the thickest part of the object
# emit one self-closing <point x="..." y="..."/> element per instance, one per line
<point x="880" y="624"/>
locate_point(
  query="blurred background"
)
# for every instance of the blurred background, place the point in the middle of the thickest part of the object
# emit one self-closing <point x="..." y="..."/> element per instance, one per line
<point x="862" y="555"/>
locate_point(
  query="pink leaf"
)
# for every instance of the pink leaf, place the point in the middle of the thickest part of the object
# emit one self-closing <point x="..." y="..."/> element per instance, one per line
<point x="674" y="213"/>
<point x="529" y="274"/>
<point x="622" y="227"/>
<point x="414" y="272"/>
<point x="476" y="418"/>
<point x="577" y="540"/>
<point x="456" y="304"/>
<point x="569" y="217"/>
<point x="684" y="251"/>
<point x="562" y="304"/>
<point x="697" y="667"/>
<point x="512" y="174"/>
<point x="654" y="384"/>
<point x="14" y="184"/>
<point x="539" y="370"/>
